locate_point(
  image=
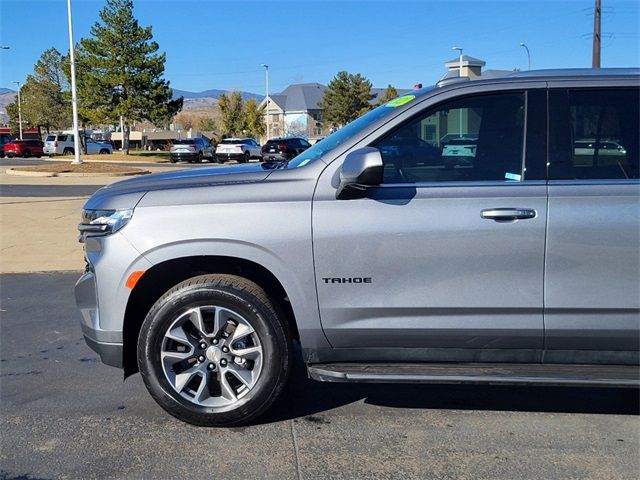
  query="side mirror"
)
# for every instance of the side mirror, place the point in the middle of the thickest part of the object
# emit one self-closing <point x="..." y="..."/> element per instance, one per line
<point x="361" y="170"/>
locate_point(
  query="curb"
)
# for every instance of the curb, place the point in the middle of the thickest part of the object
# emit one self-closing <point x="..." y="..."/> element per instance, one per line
<point x="26" y="173"/>
<point x="132" y="160"/>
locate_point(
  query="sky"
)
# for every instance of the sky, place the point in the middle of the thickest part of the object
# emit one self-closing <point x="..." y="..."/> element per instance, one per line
<point x="222" y="44"/>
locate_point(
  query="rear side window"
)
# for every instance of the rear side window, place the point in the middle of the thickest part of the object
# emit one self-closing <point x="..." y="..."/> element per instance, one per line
<point x="478" y="138"/>
<point x="62" y="138"/>
<point x="595" y="135"/>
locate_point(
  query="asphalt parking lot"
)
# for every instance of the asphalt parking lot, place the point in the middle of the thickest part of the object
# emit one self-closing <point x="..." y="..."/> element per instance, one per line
<point x="65" y="415"/>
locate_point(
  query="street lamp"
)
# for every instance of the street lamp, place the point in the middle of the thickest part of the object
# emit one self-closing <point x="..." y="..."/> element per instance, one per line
<point x="74" y="98"/>
<point x="459" y="75"/>
<point x="266" y="79"/>
<point x="19" y="109"/>
<point x="528" y="53"/>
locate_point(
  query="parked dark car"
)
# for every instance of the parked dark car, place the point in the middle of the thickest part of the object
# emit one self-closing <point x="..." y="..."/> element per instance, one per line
<point x="282" y="149"/>
<point x="24" y="148"/>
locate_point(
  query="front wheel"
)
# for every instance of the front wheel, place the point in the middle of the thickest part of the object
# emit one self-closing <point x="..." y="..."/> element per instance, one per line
<point x="213" y="351"/>
<point x="246" y="157"/>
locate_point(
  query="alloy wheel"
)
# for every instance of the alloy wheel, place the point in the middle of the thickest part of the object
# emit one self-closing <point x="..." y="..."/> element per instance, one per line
<point x="211" y="356"/>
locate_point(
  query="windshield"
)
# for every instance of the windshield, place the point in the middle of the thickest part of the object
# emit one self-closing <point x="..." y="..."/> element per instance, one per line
<point x="345" y="133"/>
<point x="184" y="141"/>
<point x="51" y="138"/>
<point x="231" y="141"/>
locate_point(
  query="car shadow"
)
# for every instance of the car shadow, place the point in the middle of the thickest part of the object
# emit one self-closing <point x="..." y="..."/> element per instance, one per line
<point x="304" y="397"/>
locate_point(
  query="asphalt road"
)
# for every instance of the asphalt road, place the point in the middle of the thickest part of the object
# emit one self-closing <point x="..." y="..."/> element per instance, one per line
<point x="65" y="415"/>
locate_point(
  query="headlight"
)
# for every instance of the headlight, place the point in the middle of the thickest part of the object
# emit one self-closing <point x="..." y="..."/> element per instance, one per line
<point x="104" y="222"/>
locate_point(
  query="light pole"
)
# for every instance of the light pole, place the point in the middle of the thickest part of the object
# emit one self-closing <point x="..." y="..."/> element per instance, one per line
<point x="74" y="98"/>
<point x="266" y="79"/>
<point x="528" y="53"/>
<point x="19" y="110"/>
<point x="459" y="75"/>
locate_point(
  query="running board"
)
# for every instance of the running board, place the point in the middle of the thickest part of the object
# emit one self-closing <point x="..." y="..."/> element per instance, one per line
<point x="512" y="373"/>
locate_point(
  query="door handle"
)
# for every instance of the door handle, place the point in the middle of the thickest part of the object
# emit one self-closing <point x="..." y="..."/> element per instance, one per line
<point x="508" y="214"/>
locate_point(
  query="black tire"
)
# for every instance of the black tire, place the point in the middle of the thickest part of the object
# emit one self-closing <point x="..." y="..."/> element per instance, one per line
<point x="199" y="159"/>
<point x="173" y="160"/>
<point x="246" y="157"/>
<point x="10" y="155"/>
<point x="26" y="153"/>
<point x="228" y="291"/>
<point x="104" y="151"/>
<point x="67" y="152"/>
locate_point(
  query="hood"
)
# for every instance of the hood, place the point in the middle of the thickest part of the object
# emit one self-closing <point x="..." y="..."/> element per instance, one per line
<point x="127" y="193"/>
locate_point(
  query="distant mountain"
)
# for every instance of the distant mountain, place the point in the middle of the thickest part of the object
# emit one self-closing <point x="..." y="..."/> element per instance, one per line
<point x="212" y="94"/>
<point x="7" y="96"/>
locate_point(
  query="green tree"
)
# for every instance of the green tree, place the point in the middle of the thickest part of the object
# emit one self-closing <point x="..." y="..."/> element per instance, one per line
<point x="207" y="124"/>
<point x="389" y="94"/>
<point x="45" y="97"/>
<point x="120" y="72"/>
<point x="253" y="119"/>
<point x="230" y="108"/>
<point x="347" y="97"/>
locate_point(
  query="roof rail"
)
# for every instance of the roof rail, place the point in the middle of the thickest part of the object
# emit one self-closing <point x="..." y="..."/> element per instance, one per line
<point x="448" y="81"/>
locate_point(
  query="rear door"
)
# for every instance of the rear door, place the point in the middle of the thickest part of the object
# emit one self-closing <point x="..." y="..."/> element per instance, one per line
<point x="592" y="283"/>
<point x="447" y="254"/>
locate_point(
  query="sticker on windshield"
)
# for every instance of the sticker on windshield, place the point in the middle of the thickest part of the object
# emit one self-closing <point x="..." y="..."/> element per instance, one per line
<point x="398" y="102"/>
<point x="512" y="176"/>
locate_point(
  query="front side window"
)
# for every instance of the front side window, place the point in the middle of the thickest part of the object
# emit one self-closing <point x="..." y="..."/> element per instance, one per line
<point x="600" y="136"/>
<point x="477" y="138"/>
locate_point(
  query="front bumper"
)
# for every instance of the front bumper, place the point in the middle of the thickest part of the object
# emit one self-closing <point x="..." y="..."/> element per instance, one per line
<point x="106" y="343"/>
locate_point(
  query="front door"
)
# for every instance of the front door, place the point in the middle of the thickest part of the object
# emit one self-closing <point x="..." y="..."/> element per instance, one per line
<point x="448" y="253"/>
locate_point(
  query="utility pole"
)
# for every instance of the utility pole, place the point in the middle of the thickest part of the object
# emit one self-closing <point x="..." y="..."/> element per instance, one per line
<point x="266" y="79"/>
<point x="596" y="35"/>
<point x="19" y="110"/>
<point x="74" y="97"/>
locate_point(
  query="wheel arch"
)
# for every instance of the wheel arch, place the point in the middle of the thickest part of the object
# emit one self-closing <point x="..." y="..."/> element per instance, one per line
<point x="163" y="276"/>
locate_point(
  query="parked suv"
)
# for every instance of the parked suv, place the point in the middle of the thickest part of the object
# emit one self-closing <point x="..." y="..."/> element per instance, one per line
<point x="282" y="149"/>
<point x="23" y="148"/>
<point x="191" y="149"/>
<point x="240" y="149"/>
<point x="519" y="265"/>
<point x="62" y="144"/>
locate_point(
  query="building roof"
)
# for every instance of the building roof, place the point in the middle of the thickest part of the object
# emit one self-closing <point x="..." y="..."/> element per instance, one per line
<point x="303" y="97"/>
<point x="467" y="61"/>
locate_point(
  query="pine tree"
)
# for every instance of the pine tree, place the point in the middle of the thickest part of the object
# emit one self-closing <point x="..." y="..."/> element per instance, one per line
<point x="120" y="72"/>
<point x="347" y="97"/>
<point x="45" y="98"/>
<point x="389" y="94"/>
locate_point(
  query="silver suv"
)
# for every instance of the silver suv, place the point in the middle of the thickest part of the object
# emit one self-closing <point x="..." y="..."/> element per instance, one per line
<point x="383" y="256"/>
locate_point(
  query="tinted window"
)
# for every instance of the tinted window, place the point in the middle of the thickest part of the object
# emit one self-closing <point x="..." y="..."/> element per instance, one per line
<point x="51" y="138"/>
<point x="230" y="142"/>
<point x="599" y="135"/>
<point x="184" y="141"/>
<point x="62" y="138"/>
<point x="472" y="139"/>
